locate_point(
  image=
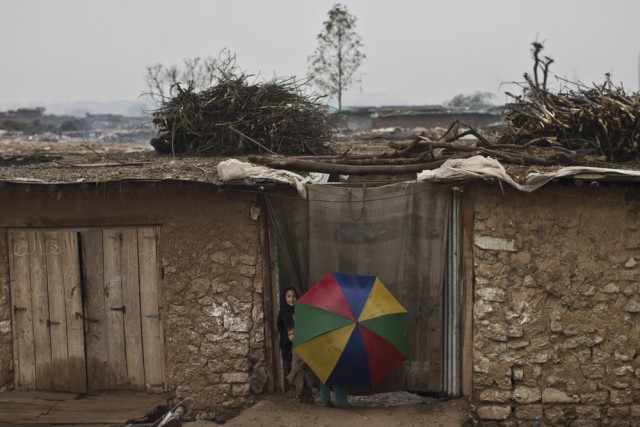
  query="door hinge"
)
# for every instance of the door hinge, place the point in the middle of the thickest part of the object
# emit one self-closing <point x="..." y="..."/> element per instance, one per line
<point x="17" y="309"/>
<point x="122" y="309"/>
<point x="49" y="323"/>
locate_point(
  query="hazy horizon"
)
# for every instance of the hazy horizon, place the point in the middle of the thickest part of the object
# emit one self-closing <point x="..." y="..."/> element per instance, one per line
<point x="420" y="52"/>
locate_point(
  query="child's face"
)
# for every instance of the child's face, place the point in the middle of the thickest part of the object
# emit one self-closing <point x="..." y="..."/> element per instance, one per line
<point x="290" y="297"/>
<point x="290" y="334"/>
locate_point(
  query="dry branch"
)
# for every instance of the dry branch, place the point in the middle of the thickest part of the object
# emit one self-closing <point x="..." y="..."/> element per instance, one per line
<point x="344" y="169"/>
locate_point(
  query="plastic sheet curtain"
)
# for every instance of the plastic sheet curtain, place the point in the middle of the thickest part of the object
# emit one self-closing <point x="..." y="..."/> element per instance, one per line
<point x="397" y="232"/>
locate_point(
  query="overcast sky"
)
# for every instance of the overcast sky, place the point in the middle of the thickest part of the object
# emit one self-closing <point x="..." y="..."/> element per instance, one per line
<point x="422" y="51"/>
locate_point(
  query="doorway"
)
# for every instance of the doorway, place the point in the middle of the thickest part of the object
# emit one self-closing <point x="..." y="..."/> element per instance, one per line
<point x="397" y="232"/>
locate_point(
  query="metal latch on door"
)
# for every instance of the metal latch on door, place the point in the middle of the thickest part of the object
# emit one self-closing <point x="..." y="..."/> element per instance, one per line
<point x="122" y="309"/>
<point x="86" y="319"/>
<point x="17" y="309"/>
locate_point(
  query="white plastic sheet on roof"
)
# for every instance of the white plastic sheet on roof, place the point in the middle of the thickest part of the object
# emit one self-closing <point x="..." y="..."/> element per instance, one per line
<point x="476" y="167"/>
<point x="233" y="169"/>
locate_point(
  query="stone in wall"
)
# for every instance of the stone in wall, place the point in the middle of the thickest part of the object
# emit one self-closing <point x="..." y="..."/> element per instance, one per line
<point x="490" y="294"/>
<point x="529" y="412"/>
<point x="524" y="394"/>
<point x="555" y="415"/>
<point x="494" y="243"/>
<point x="552" y="395"/>
<point x="495" y="395"/>
<point x="589" y="412"/>
<point x="494" y="412"/>
<point x="632" y="306"/>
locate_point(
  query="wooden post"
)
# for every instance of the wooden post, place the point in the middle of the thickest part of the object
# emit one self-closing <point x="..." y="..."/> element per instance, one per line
<point x="268" y="272"/>
<point x="466" y="300"/>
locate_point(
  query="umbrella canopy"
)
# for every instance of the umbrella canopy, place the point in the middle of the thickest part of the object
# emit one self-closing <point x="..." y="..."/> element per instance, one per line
<point x="350" y="330"/>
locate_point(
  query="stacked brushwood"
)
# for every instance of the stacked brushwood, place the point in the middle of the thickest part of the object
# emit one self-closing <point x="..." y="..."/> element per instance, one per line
<point x="234" y="117"/>
<point x="587" y="126"/>
<point x="601" y="120"/>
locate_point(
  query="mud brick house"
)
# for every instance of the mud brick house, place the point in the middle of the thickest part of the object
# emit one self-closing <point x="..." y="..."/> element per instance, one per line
<point x="152" y="273"/>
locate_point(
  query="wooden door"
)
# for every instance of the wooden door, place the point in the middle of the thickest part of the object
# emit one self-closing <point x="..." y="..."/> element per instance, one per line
<point x="47" y="307"/>
<point x="86" y="310"/>
<point x="124" y="337"/>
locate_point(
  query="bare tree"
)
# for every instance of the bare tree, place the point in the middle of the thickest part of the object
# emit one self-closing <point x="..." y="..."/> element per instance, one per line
<point x="540" y="65"/>
<point x="336" y="60"/>
<point x="162" y="80"/>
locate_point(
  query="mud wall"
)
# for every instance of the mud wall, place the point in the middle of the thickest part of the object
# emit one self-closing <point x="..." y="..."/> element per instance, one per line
<point x="210" y="252"/>
<point x="556" y="312"/>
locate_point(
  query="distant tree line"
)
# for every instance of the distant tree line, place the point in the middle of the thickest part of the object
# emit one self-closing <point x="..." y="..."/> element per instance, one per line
<point x="475" y="100"/>
<point x="41" y="125"/>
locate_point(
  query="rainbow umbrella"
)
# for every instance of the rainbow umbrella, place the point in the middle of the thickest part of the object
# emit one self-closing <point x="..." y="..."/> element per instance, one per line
<point x="350" y="330"/>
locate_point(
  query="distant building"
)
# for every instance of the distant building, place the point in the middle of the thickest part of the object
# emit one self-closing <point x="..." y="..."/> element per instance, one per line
<point x="416" y="116"/>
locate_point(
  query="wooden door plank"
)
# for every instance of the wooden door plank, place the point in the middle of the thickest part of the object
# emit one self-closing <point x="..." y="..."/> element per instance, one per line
<point x="22" y="314"/>
<point x="40" y="304"/>
<point x="131" y="300"/>
<point x="270" y="306"/>
<point x="74" y="312"/>
<point x="94" y="322"/>
<point x="52" y="242"/>
<point x="151" y="311"/>
<point x="114" y="311"/>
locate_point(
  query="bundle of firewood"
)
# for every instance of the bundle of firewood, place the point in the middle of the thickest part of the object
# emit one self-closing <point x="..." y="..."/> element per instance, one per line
<point x="234" y="117"/>
<point x="601" y="120"/>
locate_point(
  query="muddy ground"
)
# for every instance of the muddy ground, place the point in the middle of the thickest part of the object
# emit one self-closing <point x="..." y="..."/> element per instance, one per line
<point x="385" y="409"/>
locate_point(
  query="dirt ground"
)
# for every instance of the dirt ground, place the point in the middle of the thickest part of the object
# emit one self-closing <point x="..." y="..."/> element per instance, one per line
<point x="386" y="409"/>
